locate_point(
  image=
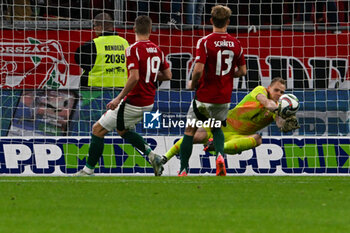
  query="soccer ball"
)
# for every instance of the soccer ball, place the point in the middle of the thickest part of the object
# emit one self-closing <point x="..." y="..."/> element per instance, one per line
<point x="288" y="105"/>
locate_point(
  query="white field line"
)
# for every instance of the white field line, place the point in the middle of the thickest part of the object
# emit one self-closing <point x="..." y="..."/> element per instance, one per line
<point x="189" y="180"/>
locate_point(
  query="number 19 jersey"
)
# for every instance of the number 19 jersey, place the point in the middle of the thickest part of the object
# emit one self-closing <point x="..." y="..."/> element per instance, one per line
<point x="146" y="57"/>
<point x="221" y="53"/>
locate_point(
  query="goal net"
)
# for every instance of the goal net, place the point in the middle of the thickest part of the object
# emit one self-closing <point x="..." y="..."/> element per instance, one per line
<point x="47" y="113"/>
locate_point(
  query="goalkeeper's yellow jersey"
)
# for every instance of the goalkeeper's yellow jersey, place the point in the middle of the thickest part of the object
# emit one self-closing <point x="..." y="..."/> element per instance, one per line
<point x="249" y="115"/>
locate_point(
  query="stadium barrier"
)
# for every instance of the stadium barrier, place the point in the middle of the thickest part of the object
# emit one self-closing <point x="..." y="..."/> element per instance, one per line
<point x="276" y="156"/>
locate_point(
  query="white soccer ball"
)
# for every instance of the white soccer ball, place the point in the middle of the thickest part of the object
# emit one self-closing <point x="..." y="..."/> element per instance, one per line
<point x="289" y="105"/>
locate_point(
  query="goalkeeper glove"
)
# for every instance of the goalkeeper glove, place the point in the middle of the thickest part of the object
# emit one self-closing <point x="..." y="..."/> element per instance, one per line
<point x="278" y="111"/>
<point x="291" y="123"/>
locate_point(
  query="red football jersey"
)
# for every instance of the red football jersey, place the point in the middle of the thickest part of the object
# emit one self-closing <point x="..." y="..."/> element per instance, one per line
<point x="221" y="53"/>
<point x="148" y="59"/>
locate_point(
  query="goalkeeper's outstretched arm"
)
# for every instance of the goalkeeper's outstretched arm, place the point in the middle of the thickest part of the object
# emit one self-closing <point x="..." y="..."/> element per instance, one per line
<point x="286" y="125"/>
<point x="268" y="103"/>
<point x="280" y="122"/>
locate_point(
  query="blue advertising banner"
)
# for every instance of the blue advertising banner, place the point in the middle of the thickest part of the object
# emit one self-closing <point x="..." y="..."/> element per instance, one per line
<point x="276" y="156"/>
<point x="73" y="112"/>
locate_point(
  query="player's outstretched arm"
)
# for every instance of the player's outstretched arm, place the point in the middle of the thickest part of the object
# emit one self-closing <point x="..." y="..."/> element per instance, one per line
<point x="242" y="70"/>
<point x="130" y="84"/>
<point x="268" y="103"/>
<point x="196" y="74"/>
<point x="164" y="75"/>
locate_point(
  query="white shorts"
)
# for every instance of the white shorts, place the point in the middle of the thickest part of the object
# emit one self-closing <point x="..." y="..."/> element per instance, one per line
<point x="126" y="116"/>
<point x="203" y="111"/>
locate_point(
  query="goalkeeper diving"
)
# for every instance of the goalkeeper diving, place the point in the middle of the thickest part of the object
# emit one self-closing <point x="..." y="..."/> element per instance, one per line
<point x="258" y="109"/>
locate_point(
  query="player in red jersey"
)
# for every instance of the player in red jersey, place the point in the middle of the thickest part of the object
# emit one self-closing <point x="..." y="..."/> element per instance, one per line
<point x="221" y="56"/>
<point x="146" y="64"/>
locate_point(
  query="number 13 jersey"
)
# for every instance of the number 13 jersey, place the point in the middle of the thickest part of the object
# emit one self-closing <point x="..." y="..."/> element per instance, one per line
<point x="146" y="57"/>
<point x="221" y="53"/>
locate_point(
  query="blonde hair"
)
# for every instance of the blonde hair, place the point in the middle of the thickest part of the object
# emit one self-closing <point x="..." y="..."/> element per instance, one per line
<point x="278" y="79"/>
<point x="220" y="14"/>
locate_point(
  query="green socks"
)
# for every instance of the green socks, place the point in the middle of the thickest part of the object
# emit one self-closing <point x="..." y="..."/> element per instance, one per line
<point x="95" y="151"/>
<point x="137" y="141"/>
<point x="97" y="145"/>
<point x="185" y="152"/>
<point x="219" y="140"/>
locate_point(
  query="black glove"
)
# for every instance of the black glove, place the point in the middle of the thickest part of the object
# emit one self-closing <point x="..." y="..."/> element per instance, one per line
<point x="290" y="124"/>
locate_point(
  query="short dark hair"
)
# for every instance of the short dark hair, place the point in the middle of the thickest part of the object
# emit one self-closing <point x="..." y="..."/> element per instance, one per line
<point x="278" y="79"/>
<point x="143" y="25"/>
<point x="105" y="20"/>
<point x="220" y="14"/>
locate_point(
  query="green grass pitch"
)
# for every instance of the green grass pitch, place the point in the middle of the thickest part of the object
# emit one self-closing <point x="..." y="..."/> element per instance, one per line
<point x="175" y="204"/>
